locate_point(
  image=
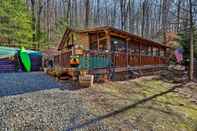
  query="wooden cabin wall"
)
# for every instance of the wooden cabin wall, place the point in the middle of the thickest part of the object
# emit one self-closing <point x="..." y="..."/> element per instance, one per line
<point x="83" y="39"/>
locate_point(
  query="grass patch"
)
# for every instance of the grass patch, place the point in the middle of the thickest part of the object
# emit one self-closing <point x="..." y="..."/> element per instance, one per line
<point x="168" y="112"/>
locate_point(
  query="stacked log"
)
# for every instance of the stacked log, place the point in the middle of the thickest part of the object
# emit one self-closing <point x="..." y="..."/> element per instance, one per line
<point x="175" y="74"/>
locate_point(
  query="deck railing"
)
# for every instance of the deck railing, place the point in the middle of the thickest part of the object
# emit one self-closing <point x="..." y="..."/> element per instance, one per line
<point x="94" y="60"/>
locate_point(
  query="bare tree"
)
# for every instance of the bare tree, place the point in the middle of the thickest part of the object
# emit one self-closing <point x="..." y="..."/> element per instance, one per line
<point x="164" y="19"/>
<point x="87" y="10"/>
<point x="38" y="34"/>
<point x="178" y="15"/>
<point x="33" y="20"/>
<point x="191" y="41"/>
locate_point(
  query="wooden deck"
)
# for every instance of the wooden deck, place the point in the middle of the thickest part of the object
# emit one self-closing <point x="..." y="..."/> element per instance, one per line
<point x="125" y="69"/>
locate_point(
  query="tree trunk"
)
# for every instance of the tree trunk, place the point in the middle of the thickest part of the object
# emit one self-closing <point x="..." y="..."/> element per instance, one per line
<point x="87" y="10"/>
<point x="114" y="14"/>
<point x="131" y="15"/>
<point x="48" y="20"/>
<point x="143" y="18"/>
<point x="68" y="11"/>
<point x="178" y="15"/>
<point x="191" y="42"/>
<point x="98" y="12"/>
<point x="76" y="13"/>
<point x="38" y="37"/>
<point x="33" y="22"/>
<point x="123" y="14"/>
<point x="164" y="20"/>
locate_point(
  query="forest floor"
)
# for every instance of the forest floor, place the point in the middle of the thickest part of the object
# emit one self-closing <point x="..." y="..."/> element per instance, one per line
<point x="144" y="104"/>
<point x="38" y="102"/>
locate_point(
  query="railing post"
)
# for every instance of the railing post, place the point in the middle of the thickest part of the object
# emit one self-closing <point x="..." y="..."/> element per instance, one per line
<point x="140" y="53"/>
<point x="127" y="57"/>
<point x="159" y="54"/>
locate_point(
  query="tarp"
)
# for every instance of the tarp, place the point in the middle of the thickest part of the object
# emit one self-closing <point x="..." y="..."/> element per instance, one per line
<point x="10" y="65"/>
<point x="7" y="52"/>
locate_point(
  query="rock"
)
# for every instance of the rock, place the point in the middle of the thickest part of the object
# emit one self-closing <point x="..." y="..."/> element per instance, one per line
<point x="175" y="74"/>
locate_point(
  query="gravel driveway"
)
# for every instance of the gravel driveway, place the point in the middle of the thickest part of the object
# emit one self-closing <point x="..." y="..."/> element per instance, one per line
<point x="20" y="83"/>
<point x="34" y="102"/>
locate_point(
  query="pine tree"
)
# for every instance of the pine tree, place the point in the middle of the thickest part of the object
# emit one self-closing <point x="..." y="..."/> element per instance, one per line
<point x="15" y="22"/>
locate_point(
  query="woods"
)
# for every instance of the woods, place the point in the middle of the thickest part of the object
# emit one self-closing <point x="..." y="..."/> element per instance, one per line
<point x="39" y="24"/>
<point x="15" y="22"/>
<point x="148" y="18"/>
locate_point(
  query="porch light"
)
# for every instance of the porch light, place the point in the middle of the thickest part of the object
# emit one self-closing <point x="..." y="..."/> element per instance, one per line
<point x="115" y="42"/>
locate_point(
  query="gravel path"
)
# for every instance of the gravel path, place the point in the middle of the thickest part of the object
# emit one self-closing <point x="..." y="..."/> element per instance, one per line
<point x="19" y="83"/>
<point x="27" y="104"/>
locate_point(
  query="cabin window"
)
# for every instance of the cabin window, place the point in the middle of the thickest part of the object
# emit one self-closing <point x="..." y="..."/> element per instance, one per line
<point x="149" y="51"/>
<point x="158" y="52"/>
<point x="162" y="53"/>
<point x="155" y="51"/>
<point x="144" y="51"/>
<point x="133" y="48"/>
<point x="118" y="44"/>
<point x="93" y="41"/>
<point x="103" y="45"/>
<point x="93" y="46"/>
<point x="98" y="41"/>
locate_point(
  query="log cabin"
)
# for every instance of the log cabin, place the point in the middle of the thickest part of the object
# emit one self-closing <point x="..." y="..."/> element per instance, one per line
<point x="110" y="52"/>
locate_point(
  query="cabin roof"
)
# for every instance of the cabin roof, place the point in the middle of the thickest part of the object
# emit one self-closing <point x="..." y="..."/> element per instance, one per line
<point x="121" y="33"/>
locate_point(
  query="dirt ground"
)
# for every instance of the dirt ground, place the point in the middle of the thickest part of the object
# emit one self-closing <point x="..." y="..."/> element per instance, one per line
<point x="37" y="102"/>
<point x="144" y="104"/>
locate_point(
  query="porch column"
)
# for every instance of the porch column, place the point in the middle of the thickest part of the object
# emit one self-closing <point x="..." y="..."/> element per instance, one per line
<point x="97" y="39"/>
<point x="109" y="55"/>
<point x="108" y="40"/>
<point x="127" y="48"/>
<point x="140" y="53"/>
<point x="159" y="54"/>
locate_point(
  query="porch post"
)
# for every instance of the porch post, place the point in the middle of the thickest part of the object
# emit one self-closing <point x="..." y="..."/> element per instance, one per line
<point x="159" y="54"/>
<point x="127" y="48"/>
<point x="108" y="40"/>
<point x="97" y="39"/>
<point x="140" y="53"/>
<point x="109" y="55"/>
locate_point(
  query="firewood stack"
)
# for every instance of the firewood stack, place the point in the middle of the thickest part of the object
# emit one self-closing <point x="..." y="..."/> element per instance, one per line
<point x="175" y="74"/>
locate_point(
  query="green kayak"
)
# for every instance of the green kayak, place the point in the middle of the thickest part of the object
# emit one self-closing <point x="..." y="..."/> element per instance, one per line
<point x="25" y="60"/>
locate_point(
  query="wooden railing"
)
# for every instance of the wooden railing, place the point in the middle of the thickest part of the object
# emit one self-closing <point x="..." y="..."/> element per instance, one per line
<point x="63" y="59"/>
<point x="120" y="60"/>
<point x="117" y="59"/>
